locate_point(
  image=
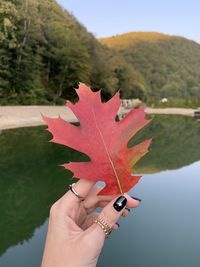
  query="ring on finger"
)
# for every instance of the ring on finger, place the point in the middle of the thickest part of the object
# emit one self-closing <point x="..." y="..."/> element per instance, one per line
<point x="75" y="192"/>
<point x="104" y="226"/>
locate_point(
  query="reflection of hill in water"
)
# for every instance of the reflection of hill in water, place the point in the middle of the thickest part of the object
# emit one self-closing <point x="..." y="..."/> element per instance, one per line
<point x="176" y="143"/>
<point x="30" y="180"/>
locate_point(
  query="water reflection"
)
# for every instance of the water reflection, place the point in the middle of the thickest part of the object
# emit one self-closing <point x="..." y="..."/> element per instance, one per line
<point x="27" y="253"/>
<point x="176" y="143"/>
<point x="164" y="231"/>
<point x="30" y="180"/>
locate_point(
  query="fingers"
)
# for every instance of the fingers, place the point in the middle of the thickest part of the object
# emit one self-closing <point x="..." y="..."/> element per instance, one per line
<point x="109" y="214"/>
<point x="94" y="200"/>
<point x="90" y="220"/>
<point x="132" y="202"/>
<point x="69" y="203"/>
<point x="83" y="187"/>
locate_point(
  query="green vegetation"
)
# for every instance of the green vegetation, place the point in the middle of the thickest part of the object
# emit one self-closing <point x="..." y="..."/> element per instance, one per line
<point x="45" y="52"/>
<point x="169" y="66"/>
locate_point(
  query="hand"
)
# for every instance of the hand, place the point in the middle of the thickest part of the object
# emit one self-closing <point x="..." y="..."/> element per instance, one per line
<point x="73" y="239"/>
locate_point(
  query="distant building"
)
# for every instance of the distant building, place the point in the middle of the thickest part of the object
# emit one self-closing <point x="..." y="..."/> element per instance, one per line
<point x="164" y="100"/>
<point x="127" y="103"/>
<point x="131" y="103"/>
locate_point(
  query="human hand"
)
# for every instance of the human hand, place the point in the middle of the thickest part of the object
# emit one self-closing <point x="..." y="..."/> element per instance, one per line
<point x="73" y="239"/>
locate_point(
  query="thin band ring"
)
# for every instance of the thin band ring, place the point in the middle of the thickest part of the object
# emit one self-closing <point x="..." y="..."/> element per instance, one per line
<point x="104" y="226"/>
<point x="75" y="193"/>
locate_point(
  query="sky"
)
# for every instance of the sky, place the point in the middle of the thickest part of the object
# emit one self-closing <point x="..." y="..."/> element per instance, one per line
<point x="106" y="18"/>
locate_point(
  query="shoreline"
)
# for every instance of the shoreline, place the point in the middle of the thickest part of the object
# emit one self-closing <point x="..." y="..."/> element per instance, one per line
<point x="27" y="116"/>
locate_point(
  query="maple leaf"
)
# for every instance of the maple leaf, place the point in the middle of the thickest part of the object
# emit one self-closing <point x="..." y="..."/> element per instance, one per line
<point x="103" y="139"/>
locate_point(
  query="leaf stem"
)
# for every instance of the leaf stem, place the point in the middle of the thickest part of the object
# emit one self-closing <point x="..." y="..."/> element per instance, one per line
<point x="107" y="152"/>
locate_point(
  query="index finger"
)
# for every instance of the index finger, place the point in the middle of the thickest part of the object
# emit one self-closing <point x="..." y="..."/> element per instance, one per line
<point x="70" y="202"/>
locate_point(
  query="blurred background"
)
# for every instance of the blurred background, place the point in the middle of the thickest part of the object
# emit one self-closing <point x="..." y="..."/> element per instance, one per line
<point x="147" y="50"/>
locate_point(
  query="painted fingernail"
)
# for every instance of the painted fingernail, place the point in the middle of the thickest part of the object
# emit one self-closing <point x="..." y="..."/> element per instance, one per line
<point x="138" y="199"/>
<point x="118" y="224"/>
<point x="127" y="209"/>
<point x="120" y="203"/>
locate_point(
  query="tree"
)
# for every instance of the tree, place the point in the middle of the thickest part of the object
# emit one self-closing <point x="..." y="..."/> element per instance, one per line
<point x="8" y="18"/>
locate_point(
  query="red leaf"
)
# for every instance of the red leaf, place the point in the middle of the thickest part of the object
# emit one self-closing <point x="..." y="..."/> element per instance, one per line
<point x="103" y="139"/>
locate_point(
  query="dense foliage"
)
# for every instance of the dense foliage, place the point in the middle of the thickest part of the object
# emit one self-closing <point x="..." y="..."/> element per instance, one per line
<point x="169" y="65"/>
<point x="45" y="52"/>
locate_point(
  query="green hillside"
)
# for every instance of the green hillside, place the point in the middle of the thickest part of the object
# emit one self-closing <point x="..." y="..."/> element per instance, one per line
<point x="169" y="65"/>
<point x="45" y="52"/>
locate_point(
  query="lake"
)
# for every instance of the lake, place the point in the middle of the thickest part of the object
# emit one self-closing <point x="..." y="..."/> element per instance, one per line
<point x="164" y="231"/>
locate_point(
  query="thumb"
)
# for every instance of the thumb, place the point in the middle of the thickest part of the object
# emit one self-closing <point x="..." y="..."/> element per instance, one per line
<point x="109" y="216"/>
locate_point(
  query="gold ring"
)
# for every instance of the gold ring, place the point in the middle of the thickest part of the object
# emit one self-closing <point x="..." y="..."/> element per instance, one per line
<point x="75" y="193"/>
<point x="104" y="226"/>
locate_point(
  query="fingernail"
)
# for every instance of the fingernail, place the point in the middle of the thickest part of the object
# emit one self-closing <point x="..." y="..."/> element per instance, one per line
<point x="138" y="199"/>
<point x="117" y="224"/>
<point x="120" y="203"/>
<point x="128" y="209"/>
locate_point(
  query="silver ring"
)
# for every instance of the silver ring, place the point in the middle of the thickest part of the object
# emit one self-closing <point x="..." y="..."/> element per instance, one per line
<point x="75" y="193"/>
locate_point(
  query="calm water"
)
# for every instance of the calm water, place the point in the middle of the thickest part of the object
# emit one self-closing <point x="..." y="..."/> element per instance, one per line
<point x="164" y="231"/>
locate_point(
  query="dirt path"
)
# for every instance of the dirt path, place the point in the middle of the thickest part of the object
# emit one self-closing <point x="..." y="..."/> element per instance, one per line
<point x="24" y="116"/>
<point x="174" y="111"/>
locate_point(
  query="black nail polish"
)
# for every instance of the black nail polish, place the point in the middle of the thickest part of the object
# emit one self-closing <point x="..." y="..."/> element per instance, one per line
<point x="127" y="209"/>
<point x="136" y="198"/>
<point x="117" y="224"/>
<point x="120" y="203"/>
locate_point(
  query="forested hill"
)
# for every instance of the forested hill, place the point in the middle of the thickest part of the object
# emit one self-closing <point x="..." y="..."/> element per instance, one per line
<point x="45" y="52"/>
<point x="169" y="65"/>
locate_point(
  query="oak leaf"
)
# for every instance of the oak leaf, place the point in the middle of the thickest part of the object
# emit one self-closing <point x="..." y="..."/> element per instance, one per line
<point x="103" y="139"/>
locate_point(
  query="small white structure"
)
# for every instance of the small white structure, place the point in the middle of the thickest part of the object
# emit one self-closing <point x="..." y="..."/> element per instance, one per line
<point x="131" y="103"/>
<point x="127" y="103"/>
<point x="164" y="100"/>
